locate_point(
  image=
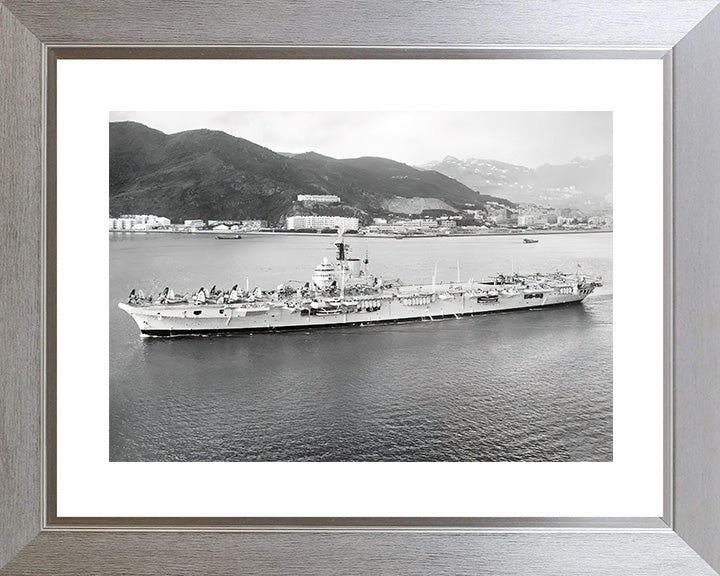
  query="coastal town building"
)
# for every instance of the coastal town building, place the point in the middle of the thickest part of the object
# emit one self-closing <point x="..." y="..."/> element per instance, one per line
<point x="250" y="225"/>
<point x="412" y="226"/>
<point x="525" y="220"/>
<point x="245" y="225"/>
<point x="320" y="222"/>
<point x="139" y="222"/>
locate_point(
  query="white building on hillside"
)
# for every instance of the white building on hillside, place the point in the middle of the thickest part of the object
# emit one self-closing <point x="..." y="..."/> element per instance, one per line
<point x="320" y="198"/>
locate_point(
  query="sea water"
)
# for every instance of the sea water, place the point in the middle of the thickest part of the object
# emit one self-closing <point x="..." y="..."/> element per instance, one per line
<point x="531" y="385"/>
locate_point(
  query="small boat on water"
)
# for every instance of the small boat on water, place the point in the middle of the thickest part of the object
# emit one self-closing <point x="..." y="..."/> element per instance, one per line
<point x="228" y="237"/>
<point x="531" y="240"/>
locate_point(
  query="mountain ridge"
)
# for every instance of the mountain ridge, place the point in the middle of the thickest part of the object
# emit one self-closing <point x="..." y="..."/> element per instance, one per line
<point x="210" y="174"/>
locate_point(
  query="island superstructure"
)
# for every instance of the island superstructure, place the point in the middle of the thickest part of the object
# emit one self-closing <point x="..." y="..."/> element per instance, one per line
<point x="345" y="293"/>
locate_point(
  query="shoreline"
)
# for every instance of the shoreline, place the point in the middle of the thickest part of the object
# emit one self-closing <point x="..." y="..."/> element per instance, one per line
<point x="520" y="233"/>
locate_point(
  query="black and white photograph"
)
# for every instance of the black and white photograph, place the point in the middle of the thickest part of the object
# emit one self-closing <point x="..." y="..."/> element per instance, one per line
<point x="361" y="286"/>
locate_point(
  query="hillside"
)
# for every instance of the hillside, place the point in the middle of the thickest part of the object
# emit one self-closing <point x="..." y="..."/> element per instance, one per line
<point x="582" y="183"/>
<point x="213" y="175"/>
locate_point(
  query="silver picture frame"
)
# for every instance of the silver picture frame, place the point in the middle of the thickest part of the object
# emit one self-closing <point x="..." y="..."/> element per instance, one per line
<point x="685" y="34"/>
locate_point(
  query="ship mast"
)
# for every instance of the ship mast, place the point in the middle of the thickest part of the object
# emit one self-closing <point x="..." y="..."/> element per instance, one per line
<point x="341" y="256"/>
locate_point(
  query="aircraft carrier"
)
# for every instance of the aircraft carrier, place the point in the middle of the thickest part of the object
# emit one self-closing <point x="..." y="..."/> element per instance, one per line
<point x="345" y="293"/>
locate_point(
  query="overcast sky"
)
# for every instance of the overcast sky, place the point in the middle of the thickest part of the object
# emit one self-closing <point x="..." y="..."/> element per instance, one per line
<point x="526" y="138"/>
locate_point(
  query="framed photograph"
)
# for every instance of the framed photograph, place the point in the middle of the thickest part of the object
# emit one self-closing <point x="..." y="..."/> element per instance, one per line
<point x="327" y="302"/>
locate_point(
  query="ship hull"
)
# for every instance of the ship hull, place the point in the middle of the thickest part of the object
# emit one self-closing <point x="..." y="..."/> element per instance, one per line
<point x="189" y="319"/>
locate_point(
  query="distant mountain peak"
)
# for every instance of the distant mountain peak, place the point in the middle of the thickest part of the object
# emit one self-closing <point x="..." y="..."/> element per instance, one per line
<point x="311" y="155"/>
<point x="580" y="183"/>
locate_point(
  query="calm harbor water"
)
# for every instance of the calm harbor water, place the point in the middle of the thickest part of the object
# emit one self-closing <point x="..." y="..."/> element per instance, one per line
<point x="517" y="386"/>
